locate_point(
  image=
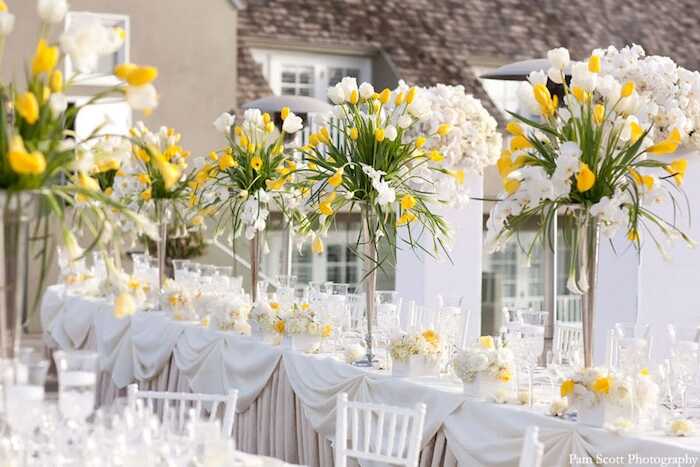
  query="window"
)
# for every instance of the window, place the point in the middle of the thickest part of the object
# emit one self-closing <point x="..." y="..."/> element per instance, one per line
<point x="105" y="67"/>
<point x="309" y="74"/>
<point x="504" y="94"/>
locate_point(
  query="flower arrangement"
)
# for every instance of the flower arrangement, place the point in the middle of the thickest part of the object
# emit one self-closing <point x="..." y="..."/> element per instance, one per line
<point x="425" y="344"/>
<point x="267" y="317"/>
<point x="592" y="150"/>
<point x="302" y="320"/>
<point x="495" y="362"/>
<point x="232" y="315"/>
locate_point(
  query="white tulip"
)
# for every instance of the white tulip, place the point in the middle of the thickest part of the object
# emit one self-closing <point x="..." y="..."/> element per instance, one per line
<point x="52" y="11"/>
<point x="559" y="58"/>
<point x="404" y="121"/>
<point x="7" y="23"/>
<point x="142" y="97"/>
<point x="336" y="94"/>
<point x="292" y="124"/>
<point x="555" y="75"/>
<point x="390" y="133"/>
<point x="349" y="85"/>
<point x="224" y="122"/>
<point x="86" y="43"/>
<point x="58" y="104"/>
<point x="366" y="90"/>
<point x="537" y="77"/>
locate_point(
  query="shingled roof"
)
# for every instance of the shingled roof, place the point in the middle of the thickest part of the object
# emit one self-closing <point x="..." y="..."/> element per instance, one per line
<point x="432" y="41"/>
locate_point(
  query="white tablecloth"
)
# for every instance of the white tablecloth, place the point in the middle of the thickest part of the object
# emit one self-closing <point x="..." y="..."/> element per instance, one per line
<point x="287" y="399"/>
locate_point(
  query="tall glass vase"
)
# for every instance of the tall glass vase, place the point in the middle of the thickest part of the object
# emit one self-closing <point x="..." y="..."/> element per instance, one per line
<point x="583" y="275"/>
<point x="369" y="259"/>
<point x="256" y="244"/>
<point x="163" y="212"/>
<point x="17" y="209"/>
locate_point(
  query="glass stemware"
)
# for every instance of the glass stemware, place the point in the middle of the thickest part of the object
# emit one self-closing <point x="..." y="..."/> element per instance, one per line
<point x="532" y="343"/>
<point x="633" y="346"/>
<point x="685" y="360"/>
<point x="77" y="380"/>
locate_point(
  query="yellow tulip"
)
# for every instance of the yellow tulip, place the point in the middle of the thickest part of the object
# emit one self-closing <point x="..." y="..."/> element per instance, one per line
<point x="580" y="94"/>
<point x="435" y="156"/>
<point x="398" y="100"/>
<point x="227" y="161"/>
<point x="56" y="81"/>
<point x="486" y="342"/>
<point x="567" y="388"/>
<point x="667" y="146"/>
<point x="585" y="178"/>
<point x="354" y="97"/>
<point x="326" y="330"/>
<point x="633" y="235"/>
<point x="251" y="148"/>
<point x="324" y="135"/>
<point x="504" y="375"/>
<point x="336" y="179"/>
<point x="511" y="185"/>
<point x="317" y="245"/>
<point x="594" y="64"/>
<point x="325" y="208"/>
<point x="514" y="128"/>
<point x="408" y="202"/>
<point x="279" y="326"/>
<point x="284" y="113"/>
<point x="420" y="142"/>
<point x="519" y="143"/>
<point x="144" y="178"/>
<point x="547" y="103"/>
<point x="354" y="134"/>
<point x="3" y="6"/>
<point x="275" y="185"/>
<point x="23" y="162"/>
<point x="458" y="175"/>
<point x="88" y="183"/>
<point x="123" y="70"/>
<point x="379" y="135"/>
<point x="627" y="89"/>
<point x="170" y="173"/>
<point x="314" y="140"/>
<point x="28" y="107"/>
<point x="266" y="118"/>
<point x="431" y="337"/>
<point x="443" y="129"/>
<point x="106" y="165"/>
<point x="146" y="195"/>
<point x="636" y="131"/>
<point x="256" y="163"/>
<point x="505" y="163"/>
<point x="602" y="385"/>
<point x="269" y="127"/>
<point x="677" y="168"/>
<point x="384" y="96"/>
<point x="213" y="156"/>
<point x="406" y="218"/>
<point x="598" y="113"/>
<point x="410" y="95"/>
<point x="124" y="305"/>
<point x="141" y="75"/>
<point x="45" y="58"/>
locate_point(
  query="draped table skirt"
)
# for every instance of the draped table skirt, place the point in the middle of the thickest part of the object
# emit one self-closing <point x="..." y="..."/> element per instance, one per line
<point x="287" y="400"/>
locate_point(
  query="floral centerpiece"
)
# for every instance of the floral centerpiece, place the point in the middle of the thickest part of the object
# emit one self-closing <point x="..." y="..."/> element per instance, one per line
<point x="389" y="154"/>
<point x="601" y="396"/>
<point x="233" y="315"/>
<point x="416" y="354"/>
<point x="249" y="176"/>
<point x="484" y="368"/>
<point x="306" y="327"/>
<point x="599" y="156"/>
<point x="38" y="153"/>
<point x="267" y="320"/>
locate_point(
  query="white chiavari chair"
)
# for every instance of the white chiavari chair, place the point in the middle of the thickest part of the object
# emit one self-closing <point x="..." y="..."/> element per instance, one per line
<point x="533" y="450"/>
<point x="568" y="337"/>
<point x="164" y="403"/>
<point x="377" y="432"/>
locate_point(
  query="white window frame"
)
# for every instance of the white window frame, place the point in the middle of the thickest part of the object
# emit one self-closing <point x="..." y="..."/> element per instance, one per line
<point x="273" y="61"/>
<point x="82" y="100"/>
<point x="100" y="79"/>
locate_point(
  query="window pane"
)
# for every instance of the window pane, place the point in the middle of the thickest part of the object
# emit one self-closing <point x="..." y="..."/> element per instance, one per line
<point x="289" y="77"/>
<point x="289" y="92"/>
<point x="304" y="92"/>
<point x="305" y="77"/>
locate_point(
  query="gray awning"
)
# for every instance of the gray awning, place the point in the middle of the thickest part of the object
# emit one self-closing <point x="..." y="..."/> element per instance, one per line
<point x="297" y="104"/>
<point x="518" y="71"/>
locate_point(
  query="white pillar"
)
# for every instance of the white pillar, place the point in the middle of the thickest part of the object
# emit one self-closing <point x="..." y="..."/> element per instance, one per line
<point x="420" y="277"/>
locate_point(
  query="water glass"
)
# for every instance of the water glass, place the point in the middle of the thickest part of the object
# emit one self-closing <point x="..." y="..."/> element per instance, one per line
<point x="24" y="393"/>
<point x="180" y="268"/>
<point x="77" y="380"/>
<point x="685" y="359"/>
<point x="632" y="343"/>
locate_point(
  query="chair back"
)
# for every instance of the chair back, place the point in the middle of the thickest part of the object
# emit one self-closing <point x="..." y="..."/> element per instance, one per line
<point x="533" y="450"/>
<point x="177" y="404"/>
<point x="377" y="432"/>
<point x="568" y="336"/>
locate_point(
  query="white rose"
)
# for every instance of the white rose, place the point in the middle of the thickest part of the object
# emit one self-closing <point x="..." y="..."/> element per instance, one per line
<point x="224" y="122"/>
<point x="292" y="124"/>
<point x="366" y="90"/>
<point x="142" y="97"/>
<point x="52" y="11"/>
<point x="559" y="58"/>
<point x="58" y="104"/>
<point x="7" y="23"/>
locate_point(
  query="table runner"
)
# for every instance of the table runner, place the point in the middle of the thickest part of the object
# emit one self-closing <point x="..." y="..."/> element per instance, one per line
<point x="287" y="399"/>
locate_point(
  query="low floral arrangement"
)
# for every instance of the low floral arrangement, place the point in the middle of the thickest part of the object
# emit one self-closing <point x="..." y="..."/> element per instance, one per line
<point x="302" y="320"/>
<point x="590" y="387"/>
<point x="267" y="317"/>
<point x="426" y="344"/>
<point x="233" y="315"/>
<point x="486" y="358"/>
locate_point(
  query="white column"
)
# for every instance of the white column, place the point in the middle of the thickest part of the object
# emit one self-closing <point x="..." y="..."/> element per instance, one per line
<point x="421" y="278"/>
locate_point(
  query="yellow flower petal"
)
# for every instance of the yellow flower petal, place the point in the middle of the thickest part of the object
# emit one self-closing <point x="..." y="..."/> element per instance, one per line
<point x="408" y="202"/>
<point x="45" y="58"/>
<point x="585" y="178"/>
<point x="594" y="64"/>
<point x="27" y="106"/>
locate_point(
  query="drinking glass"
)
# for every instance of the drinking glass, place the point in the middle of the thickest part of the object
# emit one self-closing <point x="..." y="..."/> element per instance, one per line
<point x="685" y="359"/>
<point x="388" y="307"/>
<point x="632" y="342"/>
<point x="532" y="332"/>
<point x="77" y="379"/>
<point x="285" y="290"/>
<point x="180" y="268"/>
<point x="24" y="393"/>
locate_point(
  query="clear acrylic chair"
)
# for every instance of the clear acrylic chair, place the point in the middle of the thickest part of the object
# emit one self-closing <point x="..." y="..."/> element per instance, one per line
<point x="377" y="432"/>
<point x="164" y="403"/>
<point x="533" y="450"/>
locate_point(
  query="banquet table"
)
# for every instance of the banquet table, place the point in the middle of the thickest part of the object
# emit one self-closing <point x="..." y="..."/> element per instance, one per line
<point x="286" y="405"/>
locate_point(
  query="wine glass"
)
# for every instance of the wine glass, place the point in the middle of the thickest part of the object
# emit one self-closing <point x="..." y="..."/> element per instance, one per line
<point x="532" y="344"/>
<point x="77" y="380"/>
<point x="685" y="359"/>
